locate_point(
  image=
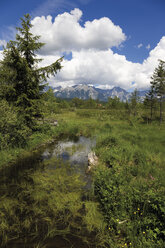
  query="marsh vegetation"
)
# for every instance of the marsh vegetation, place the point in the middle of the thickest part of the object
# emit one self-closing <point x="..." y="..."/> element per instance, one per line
<point x="44" y="201"/>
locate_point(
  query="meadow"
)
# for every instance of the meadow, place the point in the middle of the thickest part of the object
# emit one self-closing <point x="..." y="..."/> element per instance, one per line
<point x="125" y="206"/>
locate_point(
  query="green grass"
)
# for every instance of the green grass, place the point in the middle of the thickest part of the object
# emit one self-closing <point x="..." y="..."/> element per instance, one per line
<point x="126" y="205"/>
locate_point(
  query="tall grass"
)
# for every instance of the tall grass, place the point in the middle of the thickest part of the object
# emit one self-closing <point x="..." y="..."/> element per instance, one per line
<point x="126" y="207"/>
<point x="130" y="183"/>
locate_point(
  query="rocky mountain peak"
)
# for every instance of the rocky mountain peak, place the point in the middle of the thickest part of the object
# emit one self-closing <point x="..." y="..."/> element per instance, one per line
<point x="84" y="91"/>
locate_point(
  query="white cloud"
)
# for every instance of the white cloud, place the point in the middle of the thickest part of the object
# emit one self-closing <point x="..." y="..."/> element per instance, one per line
<point x="148" y="66"/>
<point x="2" y="43"/>
<point x="140" y="45"/>
<point x="66" y="34"/>
<point x="148" y="47"/>
<point x="96" y="67"/>
<point x="107" y="69"/>
<point x="1" y="54"/>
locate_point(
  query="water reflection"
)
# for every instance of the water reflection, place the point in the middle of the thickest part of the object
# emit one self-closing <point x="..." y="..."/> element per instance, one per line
<point x="24" y="189"/>
<point x="74" y="153"/>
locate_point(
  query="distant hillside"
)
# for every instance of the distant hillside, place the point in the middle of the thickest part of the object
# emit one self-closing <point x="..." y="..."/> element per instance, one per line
<point x="85" y="92"/>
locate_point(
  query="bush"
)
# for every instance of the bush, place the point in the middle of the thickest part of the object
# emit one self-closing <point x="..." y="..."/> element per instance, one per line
<point x="12" y="131"/>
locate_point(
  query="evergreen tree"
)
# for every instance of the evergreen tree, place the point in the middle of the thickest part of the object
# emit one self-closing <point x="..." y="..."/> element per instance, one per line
<point x="114" y="103"/>
<point x="150" y="101"/>
<point x="26" y="42"/>
<point x="22" y="81"/>
<point x="134" y="100"/>
<point x="158" y="84"/>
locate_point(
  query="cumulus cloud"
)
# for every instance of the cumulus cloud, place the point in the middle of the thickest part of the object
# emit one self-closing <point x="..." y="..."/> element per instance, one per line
<point x="103" y="68"/>
<point x="98" y="67"/>
<point x="66" y="34"/>
<point x="107" y="69"/>
<point x="148" y="66"/>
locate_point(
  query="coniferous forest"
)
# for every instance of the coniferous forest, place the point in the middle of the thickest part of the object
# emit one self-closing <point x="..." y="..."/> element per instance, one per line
<point x="52" y="199"/>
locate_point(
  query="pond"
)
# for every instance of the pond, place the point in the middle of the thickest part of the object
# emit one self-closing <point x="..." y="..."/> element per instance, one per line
<point x="28" y="183"/>
<point x="73" y="152"/>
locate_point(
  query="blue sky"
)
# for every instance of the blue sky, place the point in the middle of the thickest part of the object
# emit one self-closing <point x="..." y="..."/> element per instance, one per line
<point x="142" y="31"/>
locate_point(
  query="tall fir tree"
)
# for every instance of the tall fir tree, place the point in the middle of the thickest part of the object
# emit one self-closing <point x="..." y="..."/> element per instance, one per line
<point x="150" y="101"/>
<point x="22" y="81"/>
<point x="158" y="84"/>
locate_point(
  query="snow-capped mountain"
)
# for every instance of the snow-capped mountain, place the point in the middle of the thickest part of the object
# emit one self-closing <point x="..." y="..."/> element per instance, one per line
<point x="84" y="91"/>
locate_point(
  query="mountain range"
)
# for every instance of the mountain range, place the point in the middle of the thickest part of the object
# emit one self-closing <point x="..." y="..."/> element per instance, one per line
<point x="84" y="91"/>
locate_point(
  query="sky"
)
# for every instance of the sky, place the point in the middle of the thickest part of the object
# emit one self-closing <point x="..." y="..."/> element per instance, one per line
<point x="105" y="43"/>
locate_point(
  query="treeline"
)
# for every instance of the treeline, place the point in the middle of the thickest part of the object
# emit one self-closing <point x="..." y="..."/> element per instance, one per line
<point x="150" y="109"/>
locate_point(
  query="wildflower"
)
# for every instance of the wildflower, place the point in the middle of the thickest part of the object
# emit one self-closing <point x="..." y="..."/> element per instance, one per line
<point x="130" y="243"/>
<point x="134" y="212"/>
<point x="138" y="209"/>
<point x="144" y="232"/>
<point x="109" y="228"/>
<point x="125" y="244"/>
<point x="141" y="213"/>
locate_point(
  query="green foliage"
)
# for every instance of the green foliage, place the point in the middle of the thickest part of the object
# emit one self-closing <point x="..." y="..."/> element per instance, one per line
<point x="134" y="102"/>
<point x="158" y="84"/>
<point x="27" y="43"/>
<point x="21" y="79"/>
<point x="76" y="102"/>
<point x="50" y="104"/>
<point x="12" y="132"/>
<point x="150" y="101"/>
<point x="130" y="188"/>
<point x="114" y="103"/>
<point x="158" y="79"/>
<point x="90" y="103"/>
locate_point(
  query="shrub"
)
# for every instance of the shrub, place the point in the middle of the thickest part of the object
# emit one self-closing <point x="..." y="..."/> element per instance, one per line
<point x="12" y="131"/>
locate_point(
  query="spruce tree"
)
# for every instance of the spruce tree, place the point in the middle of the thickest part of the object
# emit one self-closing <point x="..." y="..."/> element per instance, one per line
<point x="150" y="101"/>
<point x="21" y="79"/>
<point x="158" y="84"/>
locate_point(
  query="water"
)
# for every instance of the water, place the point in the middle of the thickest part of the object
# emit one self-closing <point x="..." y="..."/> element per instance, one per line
<point x="72" y="153"/>
<point x="76" y="152"/>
